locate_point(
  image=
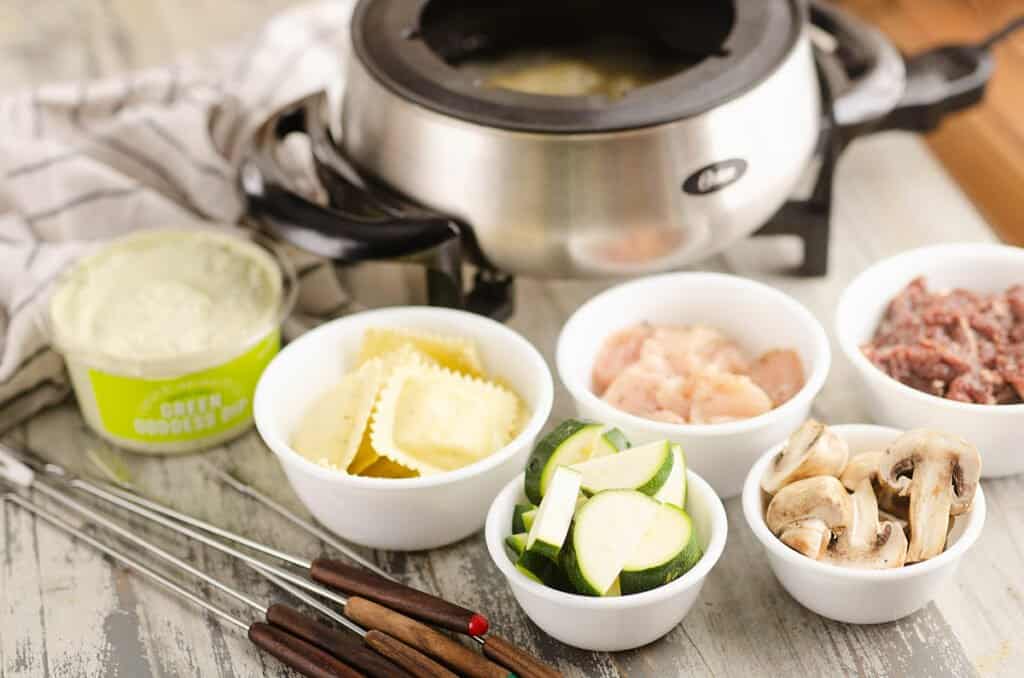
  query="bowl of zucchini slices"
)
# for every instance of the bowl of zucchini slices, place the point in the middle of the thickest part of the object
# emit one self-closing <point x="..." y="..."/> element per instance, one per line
<point x="605" y="545"/>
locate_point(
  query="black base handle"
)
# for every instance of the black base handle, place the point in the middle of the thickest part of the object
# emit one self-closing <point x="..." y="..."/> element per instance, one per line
<point x="365" y="220"/>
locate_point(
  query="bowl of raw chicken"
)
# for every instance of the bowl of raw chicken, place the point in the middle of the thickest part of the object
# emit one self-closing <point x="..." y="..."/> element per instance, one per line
<point x="722" y="365"/>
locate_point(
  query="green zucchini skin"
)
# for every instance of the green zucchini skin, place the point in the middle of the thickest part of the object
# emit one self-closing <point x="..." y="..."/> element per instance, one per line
<point x="528" y="518"/>
<point x="533" y="566"/>
<point x="617" y="439"/>
<point x="516" y="542"/>
<point x="652" y="484"/>
<point x="517" y="517"/>
<point x="571" y="567"/>
<point x="651" y="487"/>
<point x="638" y="581"/>
<point x="542" y="548"/>
<point x="543" y="452"/>
<point x="543" y="571"/>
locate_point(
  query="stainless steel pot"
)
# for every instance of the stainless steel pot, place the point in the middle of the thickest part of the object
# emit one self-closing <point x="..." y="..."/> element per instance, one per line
<point x="581" y="186"/>
<point x="622" y="192"/>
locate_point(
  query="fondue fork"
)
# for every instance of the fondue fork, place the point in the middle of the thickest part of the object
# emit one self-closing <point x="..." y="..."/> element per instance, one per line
<point x="342" y="576"/>
<point x="232" y="481"/>
<point x="333" y="641"/>
<point x="383" y="589"/>
<point x="493" y="646"/>
<point x="359" y="609"/>
<point x="363" y="611"/>
<point x="281" y="616"/>
<point x="290" y="649"/>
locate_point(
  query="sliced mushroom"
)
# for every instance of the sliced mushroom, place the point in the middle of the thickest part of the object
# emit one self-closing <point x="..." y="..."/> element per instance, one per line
<point x="887" y="517"/>
<point x="863" y="526"/>
<point x="865" y="465"/>
<point x="812" y="450"/>
<point x="805" y="515"/>
<point x="867" y="544"/>
<point x="860" y="467"/>
<point x="810" y="537"/>
<point x="888" y="551"/>
<point x="939" y="472"/>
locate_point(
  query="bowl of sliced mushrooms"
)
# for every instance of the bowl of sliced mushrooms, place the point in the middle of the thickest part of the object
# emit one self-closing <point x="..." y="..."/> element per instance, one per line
<point x="865" y="524"/>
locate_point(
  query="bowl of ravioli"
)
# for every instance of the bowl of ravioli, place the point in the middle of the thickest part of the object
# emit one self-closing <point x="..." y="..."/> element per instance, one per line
<point x="397" y="427"/>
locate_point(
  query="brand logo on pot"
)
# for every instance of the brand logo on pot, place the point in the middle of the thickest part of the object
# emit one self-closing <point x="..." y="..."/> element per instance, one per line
<point x="715" y="176"/>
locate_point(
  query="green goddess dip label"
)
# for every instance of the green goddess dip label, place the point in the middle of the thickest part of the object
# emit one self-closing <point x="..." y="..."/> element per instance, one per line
<point x="197" y="405"/>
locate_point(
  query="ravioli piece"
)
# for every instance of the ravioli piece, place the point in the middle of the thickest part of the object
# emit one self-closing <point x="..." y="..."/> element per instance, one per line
<point x="434" y="420"/>
<point x="406" y="354"/>
<point x="385" y="468"/>
<point x="332" y="429"/>
<point x="365" y="456"/>
<point x="455" y="353"/>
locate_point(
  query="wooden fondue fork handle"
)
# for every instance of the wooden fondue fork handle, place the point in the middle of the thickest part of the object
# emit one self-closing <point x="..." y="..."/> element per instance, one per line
<point x="412" y="602"/>
<point x="307" y="659"/>
<point x="466" y="662"/>
<point x="341" y="644"/>
<point x="522" y="662"/>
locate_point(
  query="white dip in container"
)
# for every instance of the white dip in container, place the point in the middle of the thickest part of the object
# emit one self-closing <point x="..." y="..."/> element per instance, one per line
<point x="165" y="334"/>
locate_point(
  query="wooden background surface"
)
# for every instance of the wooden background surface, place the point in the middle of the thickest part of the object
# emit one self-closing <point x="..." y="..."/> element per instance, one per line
<point x="64" y="611"/>
<point x="982" y="148"/>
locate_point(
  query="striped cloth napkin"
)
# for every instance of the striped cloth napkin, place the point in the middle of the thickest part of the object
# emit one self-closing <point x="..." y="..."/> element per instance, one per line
<point x="84" y="162"/>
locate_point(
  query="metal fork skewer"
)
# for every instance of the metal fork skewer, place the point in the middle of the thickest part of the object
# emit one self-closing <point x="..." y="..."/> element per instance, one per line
<point x="128" y="535"/>
<point x="409" y="600"/>
<point x="188" y="532"/>
<point x="98" y="490"/>
<point x="310" y="527"/>
<point x="248" y="491"/>
<point x="130" y="562"/>
<point x="298" y="643"/>
<point x="312" y="602"/>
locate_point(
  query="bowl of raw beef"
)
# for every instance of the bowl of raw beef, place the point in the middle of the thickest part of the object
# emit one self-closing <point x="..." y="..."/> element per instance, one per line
<point x="937" y="338"/>
<point x="722" y="365"/>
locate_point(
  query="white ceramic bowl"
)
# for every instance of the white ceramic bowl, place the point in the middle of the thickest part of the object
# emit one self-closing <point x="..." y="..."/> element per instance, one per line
<point x="859" y="596"/>
<point x="995" y="429"/>
<point x="400" y="514"/>
<point x="619" y="623"/>
<point x="758" y="317"/>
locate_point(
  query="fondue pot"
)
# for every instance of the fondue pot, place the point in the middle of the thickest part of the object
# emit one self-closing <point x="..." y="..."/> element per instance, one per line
<point x="424" y="157"/>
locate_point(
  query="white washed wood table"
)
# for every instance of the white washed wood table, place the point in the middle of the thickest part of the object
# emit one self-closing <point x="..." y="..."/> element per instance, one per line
<point x="65" y="611"/>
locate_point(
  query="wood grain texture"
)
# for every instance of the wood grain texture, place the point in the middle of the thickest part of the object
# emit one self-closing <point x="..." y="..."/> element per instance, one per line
<point x="413" y="661"/>
<point x="357" y="581"/>
<point x="441" y="647"/>
<point x="308" y="660"/>
<point x="983" y="148"/>
<point x="65" y="611"/>
<point x="344" y="645"/>
<point x="523" y="663"/>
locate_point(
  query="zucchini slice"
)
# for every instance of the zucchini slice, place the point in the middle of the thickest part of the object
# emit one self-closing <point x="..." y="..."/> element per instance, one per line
<point x="534" y="566"/>
<point x="610" y="441"/>
<point x="517" y="517"/>
<point x="516" y="542"/>
<point x="605" y="534"/>
<point x="674" y="490"/>
<point x="554" y="515"/>
<point x="668" y="550"/>
<point x="528" y="518"/>
<point x="543" y="571"/>
<point x="572" y="441"/>
<point x="644" y="469"/>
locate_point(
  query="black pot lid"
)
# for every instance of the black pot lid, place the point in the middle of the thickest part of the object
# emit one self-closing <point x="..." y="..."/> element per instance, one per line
<point x="721" y="48"/>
